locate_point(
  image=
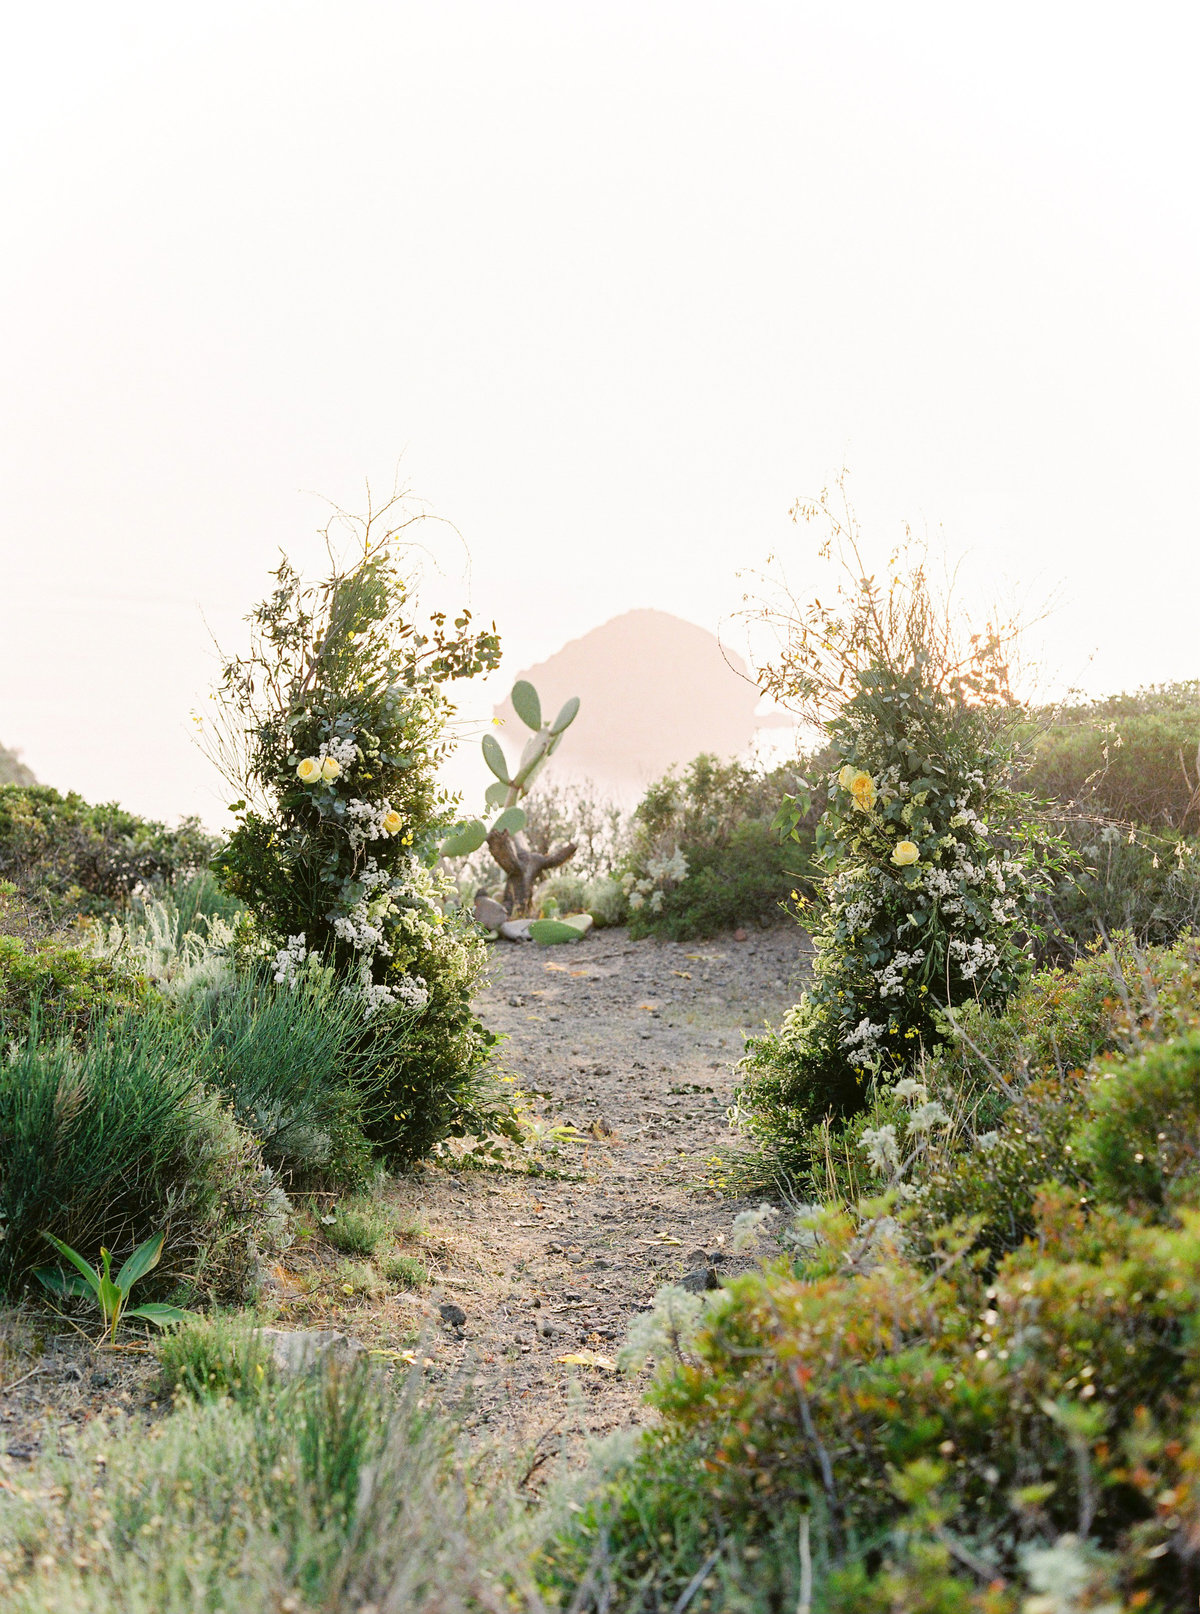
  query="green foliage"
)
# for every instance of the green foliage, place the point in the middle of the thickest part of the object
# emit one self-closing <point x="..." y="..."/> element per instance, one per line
<point x="406" y="1271"/>
<point x="432" y="1082"/>
<point x="69" y="858"/>
<point x="933" y="872"/>
<point x="1130" y="758"/>
<point x="221" y="1355"/>
<point x="358" y="1228"/>
<point x="325" y="1492"/>
<point x="981" y="1414"/>
<point x="104" y="1142"/>
<point x="703" y="855"/>
<point x="110" y="1294"/>
<point x="334" y="726"/>
<point x="298" y="1069"/>
<point x="62" y="988"/>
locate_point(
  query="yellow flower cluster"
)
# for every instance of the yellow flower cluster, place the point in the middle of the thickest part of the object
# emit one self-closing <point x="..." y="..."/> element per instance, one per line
<point x="860" y="785"/>
<point x="314" y="768"/>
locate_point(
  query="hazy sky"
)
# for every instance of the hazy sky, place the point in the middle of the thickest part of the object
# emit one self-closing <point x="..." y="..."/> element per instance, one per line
<point x="615" y="283"/>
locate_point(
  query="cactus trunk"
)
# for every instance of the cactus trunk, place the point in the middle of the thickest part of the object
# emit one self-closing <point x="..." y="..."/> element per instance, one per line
<point x="523" y="867"/>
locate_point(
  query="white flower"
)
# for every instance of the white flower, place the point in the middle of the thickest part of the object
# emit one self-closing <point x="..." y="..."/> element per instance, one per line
<point x="288" y="960"/>
<point x="881" y="1149"/>
<point x="927" y="1116"/>
<point x="908" y="1088"/>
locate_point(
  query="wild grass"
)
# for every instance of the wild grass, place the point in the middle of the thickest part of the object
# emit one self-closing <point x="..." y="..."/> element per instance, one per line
<point x="331" y="1491"/>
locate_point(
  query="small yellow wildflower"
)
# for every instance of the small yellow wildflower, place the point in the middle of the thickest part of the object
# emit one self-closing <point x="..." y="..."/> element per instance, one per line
<point x="904" y="853"/>
<point x="309" y="770"/>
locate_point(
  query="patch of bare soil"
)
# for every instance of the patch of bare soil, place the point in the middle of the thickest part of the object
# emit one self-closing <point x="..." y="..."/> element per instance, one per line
<point x="632" y="1046"/>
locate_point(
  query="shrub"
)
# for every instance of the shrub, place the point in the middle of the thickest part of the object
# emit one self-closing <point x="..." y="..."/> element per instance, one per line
<point x="942" y="1420"/>
<point x="297" y="1070"/>
<point x="1129" y="758"/>
<point x="358" y="1229"/>
<point x="61" y="988"/>
<point x="406" y="1271"/>
<point x="1125" y="878"/>
<point x="222" y="1355"/>
<point x="109" y="1143"/>
<point x="335" y="724"/>
<point x="69" y="858"/>
<point x="703" y="855"/>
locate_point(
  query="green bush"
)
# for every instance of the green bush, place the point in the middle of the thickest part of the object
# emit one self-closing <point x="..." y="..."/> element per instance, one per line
<point x="109" y="1143"/>
<point x="942" y="1418"/>
<point x="1131" y="758"/>
<point x="703" y="855"/>
<point x="222" y="1355"/>
<point x="61" y="987"/>
<point x="324" y="1492"/>
<point x="1143" y="882"/>
<point x="297" y="1069"/>
<point x="406" y="1271"/>
<point x="358" y="1229"/>
<point x="67" y="858"/>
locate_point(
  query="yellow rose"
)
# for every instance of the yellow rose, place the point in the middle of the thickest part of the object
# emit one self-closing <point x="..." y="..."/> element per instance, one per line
<point x="846" y="775"/>
<point x="309" y="770"/>
<point x="904" y="853"/>
<point x="391" y="822"/>
<point x="862" y="788"/>
<point x="330" y="768"/>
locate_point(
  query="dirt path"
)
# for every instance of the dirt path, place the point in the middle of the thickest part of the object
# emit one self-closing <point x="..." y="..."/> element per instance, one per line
<point x="632" y="1045"/>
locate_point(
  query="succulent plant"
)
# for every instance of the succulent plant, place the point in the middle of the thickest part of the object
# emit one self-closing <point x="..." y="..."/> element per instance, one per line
<point x="521" y="864"/>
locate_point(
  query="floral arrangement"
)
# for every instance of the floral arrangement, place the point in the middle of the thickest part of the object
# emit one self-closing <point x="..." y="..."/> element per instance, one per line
<point x="335" y="726"/>
<point x="932" y="866"/>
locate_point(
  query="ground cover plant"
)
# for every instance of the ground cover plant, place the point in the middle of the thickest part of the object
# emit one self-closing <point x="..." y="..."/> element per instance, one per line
<point x="327" y="1491"/>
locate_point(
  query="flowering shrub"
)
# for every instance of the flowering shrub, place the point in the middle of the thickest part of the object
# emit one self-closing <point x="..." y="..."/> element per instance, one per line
<point x="334" y="726"/>
<point x="932" y="877"/>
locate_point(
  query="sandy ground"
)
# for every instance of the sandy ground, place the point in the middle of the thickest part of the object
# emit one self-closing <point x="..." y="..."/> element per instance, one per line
<point x="624" y="1053"/>
<point x="632" y="1045"/>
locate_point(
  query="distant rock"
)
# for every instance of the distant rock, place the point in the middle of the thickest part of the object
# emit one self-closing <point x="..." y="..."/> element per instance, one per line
<point x="655" y="690"/>
<point x="12" y="770"/>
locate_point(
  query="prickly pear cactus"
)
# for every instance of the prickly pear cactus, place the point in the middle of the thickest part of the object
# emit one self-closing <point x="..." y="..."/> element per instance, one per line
<point x="522" y="865"/>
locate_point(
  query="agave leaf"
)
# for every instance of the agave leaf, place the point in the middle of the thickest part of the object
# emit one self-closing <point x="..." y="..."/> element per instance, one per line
<point x="566" y="716"/>
<point x="90" y="1275"/>
<point x="155" y="1313"/>
<point x="494" y="757"/>
<point x="526" y="703"/>
<point x="511" y="819"/>
<point x="144" y="1259"/>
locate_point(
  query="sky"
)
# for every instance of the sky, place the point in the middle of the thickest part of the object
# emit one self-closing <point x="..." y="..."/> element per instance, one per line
<point x="609" y="286"/>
